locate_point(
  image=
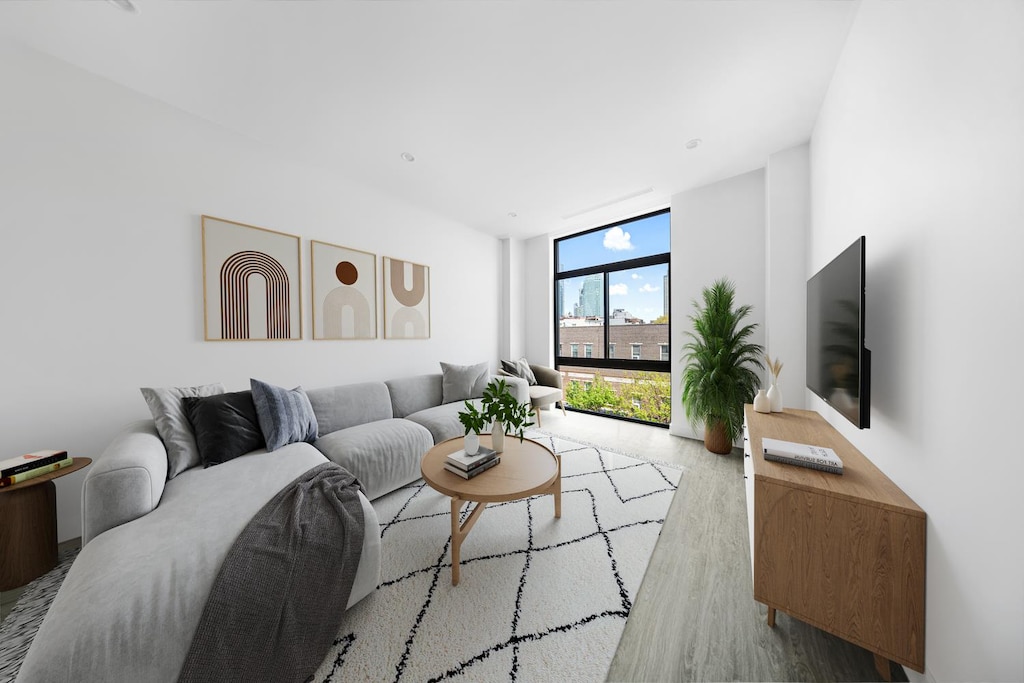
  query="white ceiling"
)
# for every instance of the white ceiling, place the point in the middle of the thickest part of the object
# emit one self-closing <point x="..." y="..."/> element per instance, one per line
<point x="544" y="109"/>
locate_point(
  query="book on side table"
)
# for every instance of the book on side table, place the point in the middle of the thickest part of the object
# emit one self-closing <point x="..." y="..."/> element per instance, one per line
<point x="13" y="479"/>
<point x="802" y="455"/>
<point x="30" y="461"/>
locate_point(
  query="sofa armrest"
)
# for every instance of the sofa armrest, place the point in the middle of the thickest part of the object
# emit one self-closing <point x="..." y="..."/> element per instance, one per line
<point x="549" y="377"/>
<point x="125" y="482"/>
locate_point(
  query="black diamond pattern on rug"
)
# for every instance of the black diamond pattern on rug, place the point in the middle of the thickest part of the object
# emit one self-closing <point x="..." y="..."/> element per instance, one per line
<point x="539" y="599"/>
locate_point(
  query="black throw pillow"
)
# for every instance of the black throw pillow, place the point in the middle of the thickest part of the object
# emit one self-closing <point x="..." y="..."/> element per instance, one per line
<point x="225" y="425"/>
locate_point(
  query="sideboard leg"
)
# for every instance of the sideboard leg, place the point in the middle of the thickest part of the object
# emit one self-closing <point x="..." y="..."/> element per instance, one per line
<point x="771" y="617"/>
<point x="882" y="664"/>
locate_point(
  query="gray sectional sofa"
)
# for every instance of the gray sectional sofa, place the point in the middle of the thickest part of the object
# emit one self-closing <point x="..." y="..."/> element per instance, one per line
<point x="152" y="547"/>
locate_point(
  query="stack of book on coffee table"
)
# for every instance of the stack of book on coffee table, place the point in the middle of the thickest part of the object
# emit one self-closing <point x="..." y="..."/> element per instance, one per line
<point x="32" y="465"/>
<point x="468" y="466"/>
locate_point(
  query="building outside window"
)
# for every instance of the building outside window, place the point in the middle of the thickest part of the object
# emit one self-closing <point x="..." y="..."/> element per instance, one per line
<point x="611" y="289"/>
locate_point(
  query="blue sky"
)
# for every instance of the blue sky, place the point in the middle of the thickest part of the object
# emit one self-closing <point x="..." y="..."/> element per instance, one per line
<point x="638" y="290"/>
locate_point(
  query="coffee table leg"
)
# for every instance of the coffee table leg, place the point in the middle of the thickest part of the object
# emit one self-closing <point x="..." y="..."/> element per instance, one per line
<point x="558" y="489"/>
<point x="456" y="540"/>
<point x="459" y="533"/>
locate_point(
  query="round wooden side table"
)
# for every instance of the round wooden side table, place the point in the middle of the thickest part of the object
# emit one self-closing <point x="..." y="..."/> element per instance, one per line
<point x="28" y="527"/>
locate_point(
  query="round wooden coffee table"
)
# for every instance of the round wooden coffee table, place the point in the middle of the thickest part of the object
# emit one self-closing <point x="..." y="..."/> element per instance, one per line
<point x="526" y="469"/>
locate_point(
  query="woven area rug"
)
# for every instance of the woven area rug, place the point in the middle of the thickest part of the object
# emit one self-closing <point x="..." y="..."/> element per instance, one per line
<point x="539" y="599"/>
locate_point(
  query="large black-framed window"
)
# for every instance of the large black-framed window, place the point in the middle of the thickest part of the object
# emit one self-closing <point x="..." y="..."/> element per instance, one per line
<point x="611" y="308"/>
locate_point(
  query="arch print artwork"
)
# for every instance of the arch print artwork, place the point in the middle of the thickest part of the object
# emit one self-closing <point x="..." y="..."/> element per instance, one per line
<point x="406" y="300"/>
<point x="252" y="280"/>
<point x="344" y="292"/>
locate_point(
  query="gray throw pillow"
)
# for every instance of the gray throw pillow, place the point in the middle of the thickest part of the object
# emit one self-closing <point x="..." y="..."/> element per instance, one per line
<point x="520" y="368"/>
<point x="173" y="425"/>
<point x="460" y="382"/>
<point x="225" y="426"/>
<point x="285" y="416"/>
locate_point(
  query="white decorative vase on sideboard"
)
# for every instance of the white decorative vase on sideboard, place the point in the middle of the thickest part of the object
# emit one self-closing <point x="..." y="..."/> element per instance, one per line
<point x="775" y="398"/>
<point x="762" y="403"/>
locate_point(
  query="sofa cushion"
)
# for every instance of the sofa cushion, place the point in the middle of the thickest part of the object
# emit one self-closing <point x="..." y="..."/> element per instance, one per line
<point x="442" y="421"/>
<point x="172" y="424"/>
<point x="541" y="395"/>
<point x="383" y="455"/>
<point x="349" y="405"/>
<point x="285" y="416"/>
<point x="459" y="382"/>
<point x="225" y="426"/>
<point x="519" y="368"/>
<point x="413" y="394"/>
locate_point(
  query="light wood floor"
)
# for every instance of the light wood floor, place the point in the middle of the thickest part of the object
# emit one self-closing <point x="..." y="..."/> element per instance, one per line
<point x="695" y="618"/>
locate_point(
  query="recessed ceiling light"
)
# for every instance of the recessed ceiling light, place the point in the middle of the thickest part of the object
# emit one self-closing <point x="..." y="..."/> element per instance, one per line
<point x="408" y="157"/>
<point x="512" y="214"/>
<point x="126" y="5"/>
<point x="693" y="144"/>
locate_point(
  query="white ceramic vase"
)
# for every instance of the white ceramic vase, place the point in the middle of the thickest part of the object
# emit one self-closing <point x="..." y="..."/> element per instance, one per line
<point x="498" y="437"/>
<point x="471" y="444"/>
<point x="775" y="397"/>
<point x="762" y="403"/>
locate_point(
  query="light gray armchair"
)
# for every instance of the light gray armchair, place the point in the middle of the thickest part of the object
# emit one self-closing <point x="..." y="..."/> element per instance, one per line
<point x="546" y="391"/>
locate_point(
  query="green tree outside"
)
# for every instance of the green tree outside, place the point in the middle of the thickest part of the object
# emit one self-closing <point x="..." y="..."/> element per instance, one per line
<point x="648" y="397"/>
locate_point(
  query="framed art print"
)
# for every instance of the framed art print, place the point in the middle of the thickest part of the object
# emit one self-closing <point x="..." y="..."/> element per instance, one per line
<point x="406" y="300"/>
<point x="252" y="282"/>
<point x="344" y="292"/>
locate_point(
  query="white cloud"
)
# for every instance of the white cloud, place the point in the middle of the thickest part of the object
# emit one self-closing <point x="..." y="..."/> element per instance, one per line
<point x="619" y="290"/>
<point x="617" y="240"/>
<point x="648" y="287"/>
<point x="637" y="276"/>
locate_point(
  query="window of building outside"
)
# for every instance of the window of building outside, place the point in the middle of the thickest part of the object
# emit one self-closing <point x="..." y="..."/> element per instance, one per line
<point x="611" y="288"/>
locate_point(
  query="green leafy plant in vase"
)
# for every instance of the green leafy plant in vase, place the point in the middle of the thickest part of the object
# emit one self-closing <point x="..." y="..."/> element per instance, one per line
<point x="722" y="364"/>
<point x="509" y="415"/>
<point x="474" y="422"/>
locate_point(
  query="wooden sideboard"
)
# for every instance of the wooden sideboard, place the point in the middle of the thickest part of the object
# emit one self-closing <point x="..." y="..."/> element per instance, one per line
<point x="844" y="553"/>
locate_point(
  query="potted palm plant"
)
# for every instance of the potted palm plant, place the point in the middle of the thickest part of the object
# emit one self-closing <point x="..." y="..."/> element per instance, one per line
<point x="722" y="364"/>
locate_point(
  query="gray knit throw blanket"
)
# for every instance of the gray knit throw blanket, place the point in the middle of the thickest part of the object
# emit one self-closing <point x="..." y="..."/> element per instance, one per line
<point x="278" y="601"/>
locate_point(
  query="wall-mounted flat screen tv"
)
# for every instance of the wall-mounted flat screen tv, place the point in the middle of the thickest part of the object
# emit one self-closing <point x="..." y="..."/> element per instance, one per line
<point x="838" y="364"/>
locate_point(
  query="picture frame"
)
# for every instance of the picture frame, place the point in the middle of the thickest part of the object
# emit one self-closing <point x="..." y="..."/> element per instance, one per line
<point x="344" y="291"/>
<point x="252" y="282"/>
<point x="406" y="292"/>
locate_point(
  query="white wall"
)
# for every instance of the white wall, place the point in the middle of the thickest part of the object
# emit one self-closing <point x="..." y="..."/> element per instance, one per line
<point x="512" y="344"/>
<point x="717" y="231"/>
<point x="920" y="147"/>
<point x="539" y="314"/>
<point x="101" y="191"/>
<point x="787" y="207"/>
